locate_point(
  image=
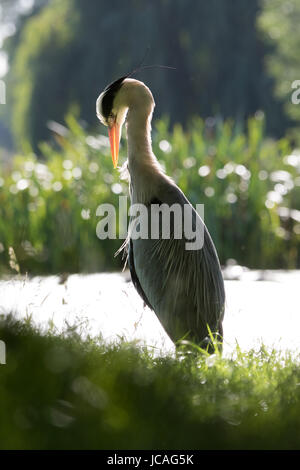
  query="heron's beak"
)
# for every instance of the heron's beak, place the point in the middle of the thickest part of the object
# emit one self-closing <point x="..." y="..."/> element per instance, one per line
<point x="114" y="139"/>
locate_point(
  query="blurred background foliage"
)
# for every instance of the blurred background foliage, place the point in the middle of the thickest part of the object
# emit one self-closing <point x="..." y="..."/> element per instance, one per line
<point x="235" y="63"/>
<point x="67" y="50"/>
<point x="249" y="185"/>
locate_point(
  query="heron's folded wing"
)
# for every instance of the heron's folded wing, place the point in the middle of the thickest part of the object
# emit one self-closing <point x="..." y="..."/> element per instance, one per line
<point x="134" y="276"/>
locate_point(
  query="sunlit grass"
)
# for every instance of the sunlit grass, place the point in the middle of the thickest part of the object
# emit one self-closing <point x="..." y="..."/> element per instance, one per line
<point x="63" y="392"/>
<point x="248" y="183"/>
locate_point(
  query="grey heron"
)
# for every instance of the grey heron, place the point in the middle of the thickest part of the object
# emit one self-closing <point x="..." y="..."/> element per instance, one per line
<point x="183" y="287"/>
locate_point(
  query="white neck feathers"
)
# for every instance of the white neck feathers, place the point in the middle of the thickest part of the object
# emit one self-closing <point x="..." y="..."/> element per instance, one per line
<point x="145" y="171"/>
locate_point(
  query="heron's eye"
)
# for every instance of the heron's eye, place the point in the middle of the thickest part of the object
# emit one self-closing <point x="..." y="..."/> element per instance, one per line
<point x="111" y="119"/>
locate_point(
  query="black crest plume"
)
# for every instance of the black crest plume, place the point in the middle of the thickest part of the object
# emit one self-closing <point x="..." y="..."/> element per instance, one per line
<point x="112" y="89"/>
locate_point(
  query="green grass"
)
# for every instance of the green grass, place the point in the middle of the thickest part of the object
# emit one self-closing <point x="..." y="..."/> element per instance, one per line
<point x="60" y="392"/>
<point x="249" y="184"/>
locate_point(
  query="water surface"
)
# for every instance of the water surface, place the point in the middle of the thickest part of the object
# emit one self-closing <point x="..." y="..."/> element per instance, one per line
<point x="261" y="306"/>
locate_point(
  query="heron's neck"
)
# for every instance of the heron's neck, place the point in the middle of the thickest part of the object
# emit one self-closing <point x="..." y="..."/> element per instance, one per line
<point x="143" y="166"/>
<point x="139" y="137"/>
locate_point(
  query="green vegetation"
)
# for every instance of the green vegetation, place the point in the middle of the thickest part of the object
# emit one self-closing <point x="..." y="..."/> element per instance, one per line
<point x="61" y="392"/>
<point x="61" y="56"/>
<point x="233" y="59"/>
<point x="50" y="37"/>
<point x="66" y="51"/>
<point x="279" y="23"/>
<point x="248" y="183"/>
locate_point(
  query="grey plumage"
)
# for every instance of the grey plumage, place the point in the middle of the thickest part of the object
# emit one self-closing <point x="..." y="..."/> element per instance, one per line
<point x="184" y="288"/>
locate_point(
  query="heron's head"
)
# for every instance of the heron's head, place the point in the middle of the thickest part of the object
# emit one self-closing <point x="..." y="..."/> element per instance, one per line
<point x="113" y="103"/>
